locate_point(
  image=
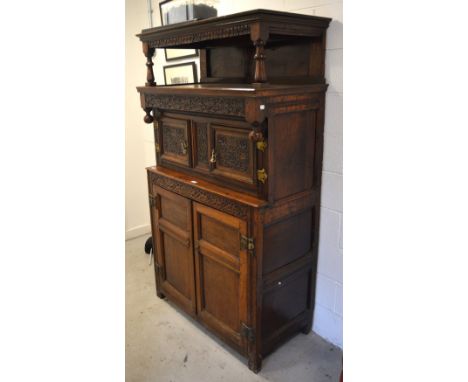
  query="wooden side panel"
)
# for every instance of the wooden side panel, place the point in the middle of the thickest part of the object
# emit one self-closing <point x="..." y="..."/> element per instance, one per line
<point x="287" y="303"/>
<point x="283" y="301"/>
<point x="288" y="270"/>
<point x="222" y="273"/>
<point x="292" y="140"/>
<point x="174" y="256"/>
<point x="284" y="63"/>
<point x="287" y="240"/>
<point x="230" y="62"/>
<point x="287" y="61"/>
<point x="317" y="57"/>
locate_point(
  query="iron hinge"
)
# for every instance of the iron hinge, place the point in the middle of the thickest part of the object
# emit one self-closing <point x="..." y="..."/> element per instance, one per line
<point x="157" y="148"/>
<point x="247" y="244"/>
<point x="247" y="332"/>
<point x="153" y="202"/>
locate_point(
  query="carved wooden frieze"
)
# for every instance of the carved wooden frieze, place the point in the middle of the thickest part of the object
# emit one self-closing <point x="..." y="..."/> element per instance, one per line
<point x="211" y="34"/>
<point x="198" y="104"/>
<point x="223" y="204"/>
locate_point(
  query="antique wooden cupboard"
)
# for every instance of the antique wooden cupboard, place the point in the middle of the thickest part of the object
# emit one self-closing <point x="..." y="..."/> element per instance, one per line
<point x="235" y="195"/>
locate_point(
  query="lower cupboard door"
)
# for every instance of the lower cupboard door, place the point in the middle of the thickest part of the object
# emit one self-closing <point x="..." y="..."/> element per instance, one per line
<point x="174" y="256"/>
<point x="221" y="273"/>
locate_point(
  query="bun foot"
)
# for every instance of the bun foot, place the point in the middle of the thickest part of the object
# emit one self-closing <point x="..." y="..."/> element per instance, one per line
<point x="255" y="364"/>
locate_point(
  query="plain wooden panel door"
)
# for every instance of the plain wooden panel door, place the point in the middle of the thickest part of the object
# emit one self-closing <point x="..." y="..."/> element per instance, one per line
<point x="175" y="248"/>
<point x="221" y="273"/>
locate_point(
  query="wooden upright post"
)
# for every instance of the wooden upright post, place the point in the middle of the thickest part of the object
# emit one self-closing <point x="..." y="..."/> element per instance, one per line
<point x="260" y="71"/>
<point x="259" y="36"/>
<point x="149" y="53"/>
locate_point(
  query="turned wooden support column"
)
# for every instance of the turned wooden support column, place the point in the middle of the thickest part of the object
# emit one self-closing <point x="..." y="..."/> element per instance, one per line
<point x="149" y="53"/>
<point x="260" y="71"/>
<point x="259" y="35"/>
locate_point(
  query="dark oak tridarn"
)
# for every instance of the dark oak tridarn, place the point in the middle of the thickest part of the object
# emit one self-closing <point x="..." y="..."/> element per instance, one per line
<point x="235" y="195"/>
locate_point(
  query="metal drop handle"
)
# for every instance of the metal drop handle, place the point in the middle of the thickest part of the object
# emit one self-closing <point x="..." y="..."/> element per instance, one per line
<point x="184" y="147"/>
<point x="213" y="157"/>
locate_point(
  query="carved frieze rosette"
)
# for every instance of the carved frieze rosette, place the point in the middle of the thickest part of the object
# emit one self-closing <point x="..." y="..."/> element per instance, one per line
<point x="223" y="204"/>
<point x="212" y="34"/>
<point x="198" y="104"/>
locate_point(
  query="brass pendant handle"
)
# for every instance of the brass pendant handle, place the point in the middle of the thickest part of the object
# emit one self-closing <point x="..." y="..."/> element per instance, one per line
<point x="184" y="147"/>
<point x="213" y="157"/>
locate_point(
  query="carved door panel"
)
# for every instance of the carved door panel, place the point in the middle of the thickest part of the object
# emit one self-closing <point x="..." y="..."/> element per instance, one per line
<point x="174" y="256"/>
<point x="221" y="273"/>
<point x="175" y="141"/>
<point x="233" y="153"/>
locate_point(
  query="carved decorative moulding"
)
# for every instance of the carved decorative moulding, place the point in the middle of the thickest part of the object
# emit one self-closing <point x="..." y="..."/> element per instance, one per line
<point x="197" y="104"/>
<point x="212" y="34"/>
<point x="223" y="204"/>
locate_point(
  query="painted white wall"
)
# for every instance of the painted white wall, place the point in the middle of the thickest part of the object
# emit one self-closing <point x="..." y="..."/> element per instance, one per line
<point x="139" y="146"/>
<point x="328" y="319"/>
<point x="139" y="142"/>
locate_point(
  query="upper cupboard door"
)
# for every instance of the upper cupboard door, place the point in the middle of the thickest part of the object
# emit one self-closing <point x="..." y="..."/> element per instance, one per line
<point x="174" y="141"/>
<point x="222" y="276"/>
<point x="232" y="153"/>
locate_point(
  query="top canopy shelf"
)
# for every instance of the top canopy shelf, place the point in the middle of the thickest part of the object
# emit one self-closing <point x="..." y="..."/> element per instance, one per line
<point x="270" y="26"/>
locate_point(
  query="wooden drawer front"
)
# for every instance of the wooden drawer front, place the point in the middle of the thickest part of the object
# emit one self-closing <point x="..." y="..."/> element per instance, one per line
<point x="234" y="153"/>
<point x="174" y="141"/>
<point x="174" y="248"/>
<point x="221" y="273"/>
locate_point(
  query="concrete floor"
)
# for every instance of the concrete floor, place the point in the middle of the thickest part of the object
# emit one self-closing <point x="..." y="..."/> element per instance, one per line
<point x="165" y="345"/>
